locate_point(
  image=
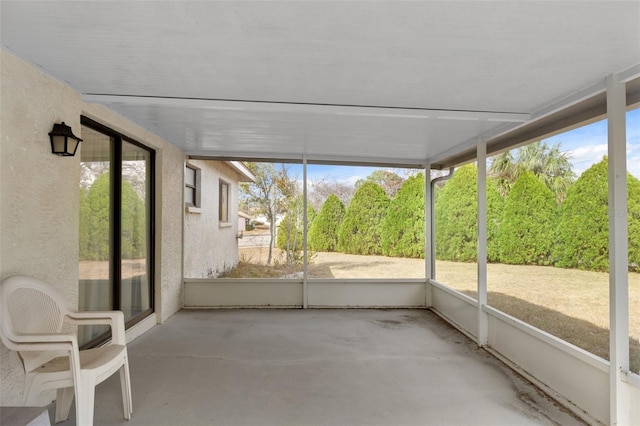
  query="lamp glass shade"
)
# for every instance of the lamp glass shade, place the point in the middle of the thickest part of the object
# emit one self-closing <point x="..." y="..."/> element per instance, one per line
<point x="63" y="141"/>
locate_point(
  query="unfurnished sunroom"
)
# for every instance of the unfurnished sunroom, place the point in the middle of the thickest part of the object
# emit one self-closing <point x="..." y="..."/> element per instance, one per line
<point x="424" y="85"/>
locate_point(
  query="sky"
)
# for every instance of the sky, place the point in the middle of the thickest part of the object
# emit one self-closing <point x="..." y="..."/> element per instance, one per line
<point x="585" y="145"/>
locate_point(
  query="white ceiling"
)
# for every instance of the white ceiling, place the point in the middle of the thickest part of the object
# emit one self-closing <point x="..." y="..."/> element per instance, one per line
<point x="394" y="82"/>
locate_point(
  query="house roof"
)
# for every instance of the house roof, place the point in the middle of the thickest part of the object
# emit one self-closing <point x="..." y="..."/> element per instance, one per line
<point x="244" y="173"/>
<point x="404" y="83"/>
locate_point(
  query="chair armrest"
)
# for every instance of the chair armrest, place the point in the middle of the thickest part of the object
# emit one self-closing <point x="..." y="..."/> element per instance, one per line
<point x="113" y="318"/>
<point x="43" y="342"/>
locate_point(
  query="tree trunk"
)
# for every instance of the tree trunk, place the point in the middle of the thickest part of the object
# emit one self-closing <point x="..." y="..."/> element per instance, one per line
<point x="272" y="233"/>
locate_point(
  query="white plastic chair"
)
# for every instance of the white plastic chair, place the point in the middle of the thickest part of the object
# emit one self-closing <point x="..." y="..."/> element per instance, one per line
<point x="33" y="315"/>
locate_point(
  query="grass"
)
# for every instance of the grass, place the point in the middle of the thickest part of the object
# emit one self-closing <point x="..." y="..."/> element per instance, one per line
<point x="567" y="303"/>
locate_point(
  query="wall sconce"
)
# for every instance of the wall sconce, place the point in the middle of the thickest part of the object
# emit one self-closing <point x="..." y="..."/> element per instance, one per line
<point x="239" y="235"/>
<point x="63" y="141"/>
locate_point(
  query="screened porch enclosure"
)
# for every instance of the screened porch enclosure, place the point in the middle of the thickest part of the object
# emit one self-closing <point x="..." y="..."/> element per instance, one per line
<point x="431" y="86"/>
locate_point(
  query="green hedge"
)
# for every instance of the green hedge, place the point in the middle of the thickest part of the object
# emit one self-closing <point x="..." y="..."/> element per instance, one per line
<point x="95" y="221"/>
<point x="323" y="232"/>
<point x="528" y="226"/>
<point x="359" y="232"/>
<point x="583" y="228"/>
<point x="402" y="229"/>
<point x="456" y="211"/>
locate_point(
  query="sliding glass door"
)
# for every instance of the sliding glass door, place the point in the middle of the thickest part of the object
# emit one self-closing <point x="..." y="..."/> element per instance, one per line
<point x="116" y="224"/>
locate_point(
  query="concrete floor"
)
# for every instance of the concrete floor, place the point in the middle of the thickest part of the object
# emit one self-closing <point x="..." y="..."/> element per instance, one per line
<point x="318" y="367"/>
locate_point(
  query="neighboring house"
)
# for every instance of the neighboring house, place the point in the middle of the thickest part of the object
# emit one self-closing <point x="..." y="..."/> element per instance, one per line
<point x="211" y="206"/>
<point x="243" y="221"/>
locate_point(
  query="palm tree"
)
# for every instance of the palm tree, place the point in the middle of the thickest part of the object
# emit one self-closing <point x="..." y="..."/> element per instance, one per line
<point x="504" y="171"/>
<point x="548" y="163"/>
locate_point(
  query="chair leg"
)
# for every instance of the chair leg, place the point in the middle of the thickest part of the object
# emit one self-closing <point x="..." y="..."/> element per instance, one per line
<point x="31" y="394"/>
<point x="85" y="400"/>
<point x="125" y="384"/>
<point x="63" y="404"/>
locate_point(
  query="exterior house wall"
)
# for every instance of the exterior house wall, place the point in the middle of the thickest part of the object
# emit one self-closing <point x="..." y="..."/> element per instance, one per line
<point x="40" y="200"/>
<point x="39" y="212"/>
<point x="211" y="246"/>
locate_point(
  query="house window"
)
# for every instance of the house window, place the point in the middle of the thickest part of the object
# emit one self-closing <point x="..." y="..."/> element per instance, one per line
<point x="191" y="186"/>
<point x="116" y="228"/>
<point x="224" y="202"/>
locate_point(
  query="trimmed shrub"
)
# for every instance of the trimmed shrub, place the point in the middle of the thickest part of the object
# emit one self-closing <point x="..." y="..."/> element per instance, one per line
<point x="289" y="236"/>
<point x="323" y="232"/>
<point x="456" y="211"/>
<point x="583" y="227"/>
<point x="402" y="229"/>
<point x="529" y="222"/>
<point x="95" y="216"/>
<point x="134" y="233"/>
<point x="95" y="221"/>
<point x="359" y="232"/>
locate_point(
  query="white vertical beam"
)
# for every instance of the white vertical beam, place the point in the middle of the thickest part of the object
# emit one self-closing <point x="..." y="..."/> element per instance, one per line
<point x="432" y="216"/>
<point x="483" y="323"/>
<point x="305" y="266"/>
<point x="428" y="235"/>
<point x="618" y="250"/>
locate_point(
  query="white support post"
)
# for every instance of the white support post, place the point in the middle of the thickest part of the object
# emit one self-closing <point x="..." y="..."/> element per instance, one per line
<point x="618" y="251"/>
<point x="428" y="235"/>
<point x="483" y="322"/>
<point x="305" y="266"/>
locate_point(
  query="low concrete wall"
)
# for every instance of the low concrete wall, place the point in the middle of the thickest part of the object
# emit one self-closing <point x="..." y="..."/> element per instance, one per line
<point x="221" y="293"/>
<point x="575" y="374"/>
<point x="366" y="293"/>
<point x="632" y="387"/>
<point x="457" y="308"/>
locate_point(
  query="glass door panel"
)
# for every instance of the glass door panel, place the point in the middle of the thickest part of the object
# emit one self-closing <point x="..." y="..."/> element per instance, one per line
<point x="115" y="236"/>
<point x="96" y="224"/>
<point x="135" y="292"/>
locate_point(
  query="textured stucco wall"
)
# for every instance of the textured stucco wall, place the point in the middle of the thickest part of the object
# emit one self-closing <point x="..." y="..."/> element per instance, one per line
<point x="40" y="199"/>
<point x="39" y="209"/>
<point x="209" y="246"/>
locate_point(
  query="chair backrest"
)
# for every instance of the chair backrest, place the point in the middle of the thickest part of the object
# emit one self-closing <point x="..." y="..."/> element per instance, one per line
<point x="30" y="306"/>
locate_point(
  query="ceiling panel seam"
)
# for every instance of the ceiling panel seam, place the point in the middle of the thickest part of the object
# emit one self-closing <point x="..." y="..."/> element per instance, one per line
<point x="372" y="110"/>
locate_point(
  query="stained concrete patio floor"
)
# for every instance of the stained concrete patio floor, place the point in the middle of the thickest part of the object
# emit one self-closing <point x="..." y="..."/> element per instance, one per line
<point x="318" y="367"/>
